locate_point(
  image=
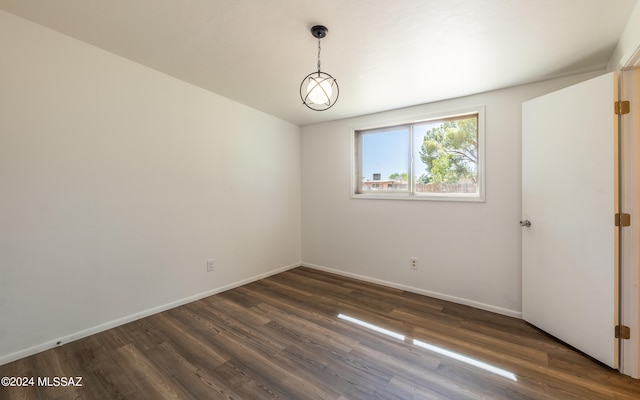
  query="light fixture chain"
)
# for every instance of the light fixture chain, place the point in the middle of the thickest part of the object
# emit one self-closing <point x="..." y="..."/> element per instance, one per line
<point x="318" y="55"/>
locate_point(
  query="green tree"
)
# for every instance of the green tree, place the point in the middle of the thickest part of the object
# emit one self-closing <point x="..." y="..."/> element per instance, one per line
<point x="450" y="152"/>
<point x="402" y="176"/>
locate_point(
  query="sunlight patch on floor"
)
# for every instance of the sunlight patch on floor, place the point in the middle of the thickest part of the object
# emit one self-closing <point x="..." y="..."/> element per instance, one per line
<point x="436" y="349"/>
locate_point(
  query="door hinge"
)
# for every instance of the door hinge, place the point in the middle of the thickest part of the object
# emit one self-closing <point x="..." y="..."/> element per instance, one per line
<point x="621" y="107"/>
<point x="623" y="332"/>
<point x="622" y="219"/>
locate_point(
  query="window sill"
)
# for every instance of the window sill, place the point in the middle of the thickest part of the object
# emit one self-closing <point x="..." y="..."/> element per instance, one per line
<point x="470" y="198"/>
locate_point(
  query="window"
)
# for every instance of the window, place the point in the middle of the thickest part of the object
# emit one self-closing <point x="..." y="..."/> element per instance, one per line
<point x="438" y="158"/>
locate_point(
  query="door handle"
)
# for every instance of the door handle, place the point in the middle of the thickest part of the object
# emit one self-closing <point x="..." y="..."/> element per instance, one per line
<point x="526" y="223"/>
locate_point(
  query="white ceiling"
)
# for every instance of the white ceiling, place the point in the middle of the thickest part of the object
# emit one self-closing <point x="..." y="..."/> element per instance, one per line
<point x="385" y="54"/>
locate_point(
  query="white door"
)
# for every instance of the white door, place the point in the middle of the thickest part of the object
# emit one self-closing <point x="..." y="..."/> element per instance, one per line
<point x="569" y="195"/>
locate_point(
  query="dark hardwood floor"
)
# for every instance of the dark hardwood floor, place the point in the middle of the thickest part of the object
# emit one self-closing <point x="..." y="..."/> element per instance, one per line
<point x="305" y="334"/>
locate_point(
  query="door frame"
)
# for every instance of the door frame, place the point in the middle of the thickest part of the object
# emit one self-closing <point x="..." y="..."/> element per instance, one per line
<point x="629" y="202"/>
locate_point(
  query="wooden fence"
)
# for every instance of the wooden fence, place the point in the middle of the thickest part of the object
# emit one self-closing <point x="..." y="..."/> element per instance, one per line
<point x="446" y="187"/>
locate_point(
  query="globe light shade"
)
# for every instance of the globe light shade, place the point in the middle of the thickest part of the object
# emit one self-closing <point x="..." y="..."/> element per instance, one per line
<point x="319" y="91"/>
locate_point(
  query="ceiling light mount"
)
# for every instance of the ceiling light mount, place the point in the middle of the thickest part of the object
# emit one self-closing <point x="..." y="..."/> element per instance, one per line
<point x="319" y="91"/>
<point x="319" y="31"/>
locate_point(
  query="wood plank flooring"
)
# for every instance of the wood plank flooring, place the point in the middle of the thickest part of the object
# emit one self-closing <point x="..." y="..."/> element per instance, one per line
<point x="282" y="338"/>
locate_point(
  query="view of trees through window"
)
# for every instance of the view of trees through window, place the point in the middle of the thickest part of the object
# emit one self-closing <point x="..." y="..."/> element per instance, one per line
<point x="437" y="156"/>
<point x="449" y="155"/>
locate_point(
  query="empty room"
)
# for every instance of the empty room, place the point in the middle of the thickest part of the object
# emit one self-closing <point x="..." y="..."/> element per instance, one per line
<point x="287" y="199"/>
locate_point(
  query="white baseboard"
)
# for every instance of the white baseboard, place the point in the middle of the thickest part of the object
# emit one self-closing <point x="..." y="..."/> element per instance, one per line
<point x="133" y="317"/>
<point x="441" y="296"/>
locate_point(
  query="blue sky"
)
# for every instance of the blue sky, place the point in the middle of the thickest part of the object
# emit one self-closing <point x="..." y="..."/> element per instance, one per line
<point x="387" y="152"/>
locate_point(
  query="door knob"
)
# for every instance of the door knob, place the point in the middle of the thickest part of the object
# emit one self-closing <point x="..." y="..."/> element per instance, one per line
<point x="525" y="223"/>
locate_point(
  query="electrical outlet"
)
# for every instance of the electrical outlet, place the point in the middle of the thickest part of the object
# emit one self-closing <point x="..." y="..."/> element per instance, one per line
<point x="414" y="263"/>
<point x="210" y="265"/>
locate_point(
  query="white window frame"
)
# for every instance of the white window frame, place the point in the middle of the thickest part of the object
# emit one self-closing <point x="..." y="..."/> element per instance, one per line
<point x="356" y="165"/>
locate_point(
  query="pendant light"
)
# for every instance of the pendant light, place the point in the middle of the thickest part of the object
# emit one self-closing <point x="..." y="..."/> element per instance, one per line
<point x="319" y="91"/>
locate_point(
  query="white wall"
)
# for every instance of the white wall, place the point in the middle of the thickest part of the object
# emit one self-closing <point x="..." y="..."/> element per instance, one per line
<point x="467" y="252"/>
<point x="117" y="183"/>
<point x="627" y="51"/>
